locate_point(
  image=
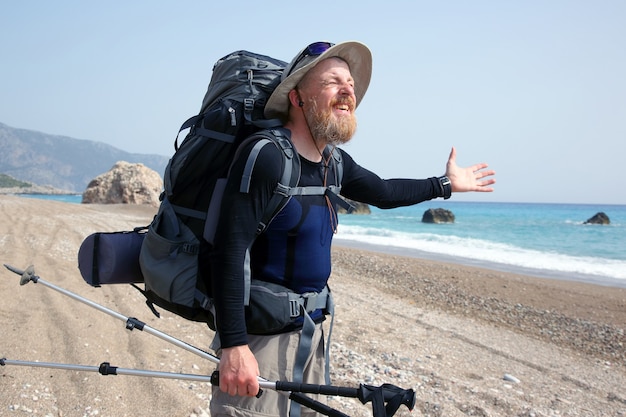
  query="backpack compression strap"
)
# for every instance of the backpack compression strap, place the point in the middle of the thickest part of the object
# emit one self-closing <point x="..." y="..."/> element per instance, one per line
<point x="202" y="131"/>
<point x="194" y="123"/>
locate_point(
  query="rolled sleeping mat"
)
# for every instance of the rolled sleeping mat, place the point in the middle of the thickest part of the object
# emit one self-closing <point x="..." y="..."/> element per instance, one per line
<point x="111" y="257"/>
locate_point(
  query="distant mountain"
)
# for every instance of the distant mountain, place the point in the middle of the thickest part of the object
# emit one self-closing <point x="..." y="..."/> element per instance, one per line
<point x="62" y="162"/>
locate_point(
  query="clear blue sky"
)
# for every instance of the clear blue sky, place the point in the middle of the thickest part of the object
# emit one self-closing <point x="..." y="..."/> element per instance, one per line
<point x="535" y="88"/>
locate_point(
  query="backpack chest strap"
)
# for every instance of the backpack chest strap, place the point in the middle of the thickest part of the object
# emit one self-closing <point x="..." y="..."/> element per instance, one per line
<point x="331" y="191"/>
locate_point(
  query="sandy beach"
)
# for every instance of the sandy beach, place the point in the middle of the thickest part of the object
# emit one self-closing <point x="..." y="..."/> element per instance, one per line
<point x="469" y="341"/>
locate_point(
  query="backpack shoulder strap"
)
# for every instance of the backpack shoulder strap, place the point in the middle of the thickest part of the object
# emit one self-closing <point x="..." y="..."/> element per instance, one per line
<point x="335" y="191"/>
<point x="288" y="184"/>
<point x="291" y="172"/>
<point x="338" y="158"/>
<point x="289" y="177"/>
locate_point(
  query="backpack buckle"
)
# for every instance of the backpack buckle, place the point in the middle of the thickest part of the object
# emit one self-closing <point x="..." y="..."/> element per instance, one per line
<point x="248" y="104"/>
<point x="190" y="248"/>
<point x="310" y="302"/>
<point x="282" y="190"/>
<point x="294" y="308"/>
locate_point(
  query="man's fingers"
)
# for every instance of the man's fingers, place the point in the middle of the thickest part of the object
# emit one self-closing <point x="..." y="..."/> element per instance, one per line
<point x="252" y="390"/>
<point x="248" y="390"/>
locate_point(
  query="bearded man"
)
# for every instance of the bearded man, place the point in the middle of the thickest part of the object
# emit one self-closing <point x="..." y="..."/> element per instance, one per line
<point x="316" y="100"/>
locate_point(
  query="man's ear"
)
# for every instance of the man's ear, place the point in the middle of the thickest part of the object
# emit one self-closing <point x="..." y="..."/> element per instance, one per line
<point x="294" y="98"/>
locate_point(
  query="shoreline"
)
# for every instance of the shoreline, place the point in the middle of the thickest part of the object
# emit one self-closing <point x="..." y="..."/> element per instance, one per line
<point x="495" y="266"/>
<point x="552" y="274"/>
<point x="582" y="317"/>
<point x="36" y="190"/>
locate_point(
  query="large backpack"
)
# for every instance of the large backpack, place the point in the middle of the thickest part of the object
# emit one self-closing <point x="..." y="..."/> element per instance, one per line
<point x="182" y="230"/>
<point x="181" y="233"/>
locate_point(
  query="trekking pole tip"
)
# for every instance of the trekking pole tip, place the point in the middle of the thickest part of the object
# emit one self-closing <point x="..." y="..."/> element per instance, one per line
<point x="13" y="269"/>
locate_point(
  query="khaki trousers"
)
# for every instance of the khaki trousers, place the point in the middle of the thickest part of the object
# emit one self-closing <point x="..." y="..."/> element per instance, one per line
<point x="276" y="356"/>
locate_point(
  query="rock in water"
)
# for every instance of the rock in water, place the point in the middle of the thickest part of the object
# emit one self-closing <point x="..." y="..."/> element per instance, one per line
<point x="598" y="218"/>
<point x="438" y="215"/>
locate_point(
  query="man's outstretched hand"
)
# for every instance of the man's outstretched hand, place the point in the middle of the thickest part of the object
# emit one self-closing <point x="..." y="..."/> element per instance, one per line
<point x="473" y="178"/>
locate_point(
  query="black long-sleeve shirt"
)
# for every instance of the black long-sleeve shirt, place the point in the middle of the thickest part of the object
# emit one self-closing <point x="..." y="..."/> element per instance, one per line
<point x="295" y="248"/>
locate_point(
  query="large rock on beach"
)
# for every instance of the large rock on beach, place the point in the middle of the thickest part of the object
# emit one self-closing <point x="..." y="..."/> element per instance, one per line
<point x="438" y="215"/>
<point x="125" y="183"/>
<point x="598" y="218"/>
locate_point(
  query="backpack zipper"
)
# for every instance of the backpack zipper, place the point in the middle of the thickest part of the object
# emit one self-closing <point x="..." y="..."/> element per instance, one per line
<point x="233" y="116"/>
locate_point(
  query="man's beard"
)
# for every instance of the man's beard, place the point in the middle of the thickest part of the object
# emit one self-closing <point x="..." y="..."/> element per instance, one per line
<point x="328" y="129"/>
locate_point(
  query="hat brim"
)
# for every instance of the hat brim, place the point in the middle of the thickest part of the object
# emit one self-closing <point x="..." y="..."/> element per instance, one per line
<point x="356" y="54"/>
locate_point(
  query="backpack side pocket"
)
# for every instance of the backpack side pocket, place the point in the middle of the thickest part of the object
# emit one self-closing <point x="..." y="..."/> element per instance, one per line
<point x="169" y="258"/>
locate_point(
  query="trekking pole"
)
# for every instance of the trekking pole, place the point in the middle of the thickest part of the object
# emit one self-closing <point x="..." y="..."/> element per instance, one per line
<point x="105" y="368"/>
<point x="392" y="396"/>
<point x="388" y="394"/>
<point x="132" y="323"/>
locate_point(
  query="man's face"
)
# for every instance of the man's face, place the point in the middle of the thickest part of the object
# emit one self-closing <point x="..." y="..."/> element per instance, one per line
<point x="328" y="93"/>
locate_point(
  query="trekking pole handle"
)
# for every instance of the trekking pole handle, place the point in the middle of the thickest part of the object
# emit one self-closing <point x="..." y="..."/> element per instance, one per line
<point x="317" y="389"/>
<point x="215" y="381"/>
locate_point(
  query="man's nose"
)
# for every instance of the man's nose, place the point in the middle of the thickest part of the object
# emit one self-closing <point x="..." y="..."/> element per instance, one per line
<point x="347" y="89"/>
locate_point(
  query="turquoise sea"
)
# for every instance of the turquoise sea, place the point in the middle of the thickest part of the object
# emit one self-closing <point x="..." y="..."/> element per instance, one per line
<point x="546" y="240"/>
<point x="66" y="198"/>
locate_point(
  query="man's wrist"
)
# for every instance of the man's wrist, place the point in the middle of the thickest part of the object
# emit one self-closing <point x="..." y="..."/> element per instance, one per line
<point x="445" y="187"/>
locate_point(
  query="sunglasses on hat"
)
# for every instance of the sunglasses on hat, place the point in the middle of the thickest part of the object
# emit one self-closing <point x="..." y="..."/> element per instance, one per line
<point x="314" y="49"/>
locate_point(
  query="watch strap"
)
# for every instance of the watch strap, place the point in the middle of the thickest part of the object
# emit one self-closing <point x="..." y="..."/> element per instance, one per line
<point x="445" y="187"/>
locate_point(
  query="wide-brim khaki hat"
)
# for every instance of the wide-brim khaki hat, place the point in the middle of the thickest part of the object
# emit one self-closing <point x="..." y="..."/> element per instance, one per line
<point x="356" y="54"/>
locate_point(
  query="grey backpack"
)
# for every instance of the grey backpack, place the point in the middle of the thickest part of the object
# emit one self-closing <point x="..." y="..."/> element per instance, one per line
<point x="168" y="253"/>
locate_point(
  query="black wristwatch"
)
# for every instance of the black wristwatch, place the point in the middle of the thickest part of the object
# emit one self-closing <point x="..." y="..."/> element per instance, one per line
<point x="446" y="187"/>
